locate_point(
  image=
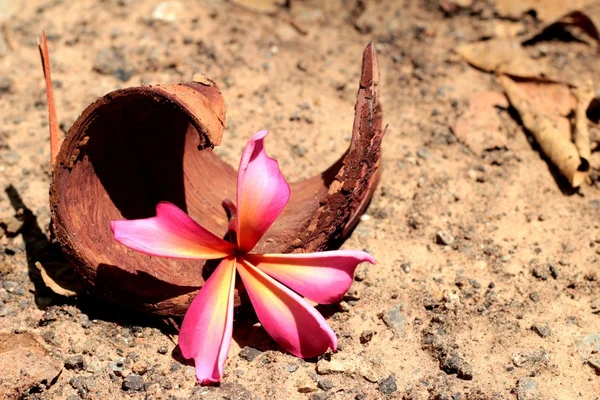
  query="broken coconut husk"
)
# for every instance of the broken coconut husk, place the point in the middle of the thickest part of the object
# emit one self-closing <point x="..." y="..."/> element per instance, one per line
<point x="137" y="146"/>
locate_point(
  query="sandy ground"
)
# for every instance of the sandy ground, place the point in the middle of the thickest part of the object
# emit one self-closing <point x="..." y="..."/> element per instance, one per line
<point x="487" y="282"/>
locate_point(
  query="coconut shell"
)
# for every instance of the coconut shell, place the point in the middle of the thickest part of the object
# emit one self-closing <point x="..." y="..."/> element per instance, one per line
<point x="137" y="146"/>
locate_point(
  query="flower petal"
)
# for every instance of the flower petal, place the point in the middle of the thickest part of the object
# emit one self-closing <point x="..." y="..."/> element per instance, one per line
<point x="286" y="316"/>
<point x="172" y="233"/>
<point x="321" y="277"/>
<point x="262" y="192"/>
<point x="205" y="333"/>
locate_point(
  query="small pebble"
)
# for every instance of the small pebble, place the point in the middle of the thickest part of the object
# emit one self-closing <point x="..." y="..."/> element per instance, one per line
<point x="133" y="382"/>
<point x="388" y="385"/>
<point x="443" y="238"/>
<point x="74" y="362"/>
<point x="366" y="336"/>
<point x="249" y="353"/>
<point x="527" y="389"/>
<point x="325" y="384"/>
<point x="542" y="329"/>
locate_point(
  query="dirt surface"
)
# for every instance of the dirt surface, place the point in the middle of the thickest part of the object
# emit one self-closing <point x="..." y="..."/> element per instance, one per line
<point x="487" y="282"/>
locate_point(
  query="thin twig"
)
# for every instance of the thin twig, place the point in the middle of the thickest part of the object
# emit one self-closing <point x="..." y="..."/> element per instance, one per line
<point x="52" y="120"/>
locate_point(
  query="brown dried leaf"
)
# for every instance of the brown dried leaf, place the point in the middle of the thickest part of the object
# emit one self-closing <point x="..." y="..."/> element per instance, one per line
<point x="60" y="278"/>
<point x="25" y="364"/>
<point x="549" y="98"/>
<point x="504" y="56"/>
<point x="581" y="135"/>
<point x="545" y="10"/>
<point x="480" y="127"/>
<point x="548" y="131"/>
<point x="586" y="16"/>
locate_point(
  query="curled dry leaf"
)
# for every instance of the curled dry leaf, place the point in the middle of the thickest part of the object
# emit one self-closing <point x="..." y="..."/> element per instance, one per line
<point x="155" y="142"/>
<point x="480" y="127"/>
<point x="556" y="145"/>
<point x="583" y="14"/>
<point x="60" y="278"/>
<point x="25" y="365"/>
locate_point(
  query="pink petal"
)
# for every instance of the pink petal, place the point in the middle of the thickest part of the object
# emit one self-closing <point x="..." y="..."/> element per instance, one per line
<point x="262" y="192"/>
<point x="321" y="277"/>
<point x="205" y="333"/>
<point x="172" y="233"/>
<point x="286" y="316"/>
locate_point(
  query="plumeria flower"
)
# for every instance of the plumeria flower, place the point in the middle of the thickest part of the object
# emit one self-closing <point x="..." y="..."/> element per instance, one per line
<point x="275" y="283"/>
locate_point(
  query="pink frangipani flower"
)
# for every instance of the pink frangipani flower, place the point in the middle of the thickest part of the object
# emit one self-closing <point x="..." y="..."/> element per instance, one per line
<point x="275" y="283"/>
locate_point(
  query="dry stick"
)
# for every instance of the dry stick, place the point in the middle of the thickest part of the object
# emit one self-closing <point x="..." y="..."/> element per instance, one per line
<point x="52" y="121"/>
<point x="560" y="150"/>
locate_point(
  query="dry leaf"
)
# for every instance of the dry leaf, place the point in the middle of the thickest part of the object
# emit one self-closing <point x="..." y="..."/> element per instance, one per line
<point x="550" y="98"/>
<point x="584" y="96"/>
<point x="503" y="56"/>
<point x="60" y="278"/>
<point x="545" y="10"/>
<point x="480" y="128"/>
<point x="547" y="132"/>
<point x="25" y="353"/>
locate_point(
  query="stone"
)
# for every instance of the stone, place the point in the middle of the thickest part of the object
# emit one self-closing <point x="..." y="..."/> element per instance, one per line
<point x="395" y="320"/>
<point x="6" y="83"/>
<point x="325" y="384"/>
<point x="325" y="367"/>
<point x="527" y="389"/>
<point x="74" y="362"/>
<point x="368" y="373"/>
<point x="366" y="336"/>
<point x="167" y="11"/>
<point x="388" y="385"/>
<point x="443" y="238"/>
<point x="542" y="329"/>
<point x="423" y="153"/>
<point x="306" y="385"/>
<point x="453" y="363"/>
<point x="83" y="384"/>
<point x="595" y="306"/>
<point x="595" y="363"/>
<point x="589" y="347"/>
<point x="249" y="353"/>
<point x="133" y="382"/>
